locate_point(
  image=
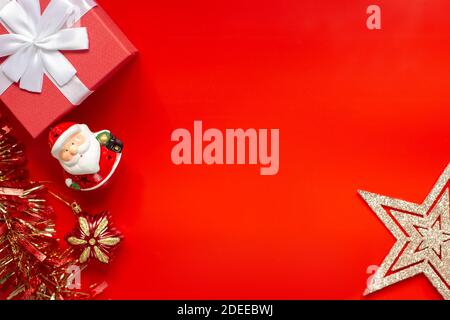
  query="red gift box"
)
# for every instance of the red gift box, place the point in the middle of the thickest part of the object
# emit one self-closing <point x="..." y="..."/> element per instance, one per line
<point x="109" y="49"/>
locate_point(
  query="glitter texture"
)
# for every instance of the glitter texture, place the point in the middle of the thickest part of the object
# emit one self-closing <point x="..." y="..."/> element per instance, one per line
<point x="423" y="238"/>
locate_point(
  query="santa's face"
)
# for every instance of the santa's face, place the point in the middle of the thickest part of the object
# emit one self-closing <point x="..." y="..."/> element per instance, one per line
<point x="80" y="153"/>
<point x="71" y="147"/>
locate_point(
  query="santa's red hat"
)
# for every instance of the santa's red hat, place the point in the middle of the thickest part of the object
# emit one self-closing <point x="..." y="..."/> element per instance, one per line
<point x="59" y="134"/>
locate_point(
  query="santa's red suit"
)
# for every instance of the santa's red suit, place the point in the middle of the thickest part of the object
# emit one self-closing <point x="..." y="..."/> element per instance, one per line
<point x="103" y="157"/>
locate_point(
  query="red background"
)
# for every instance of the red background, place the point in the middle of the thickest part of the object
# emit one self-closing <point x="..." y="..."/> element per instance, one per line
<point x="356" y="109"/>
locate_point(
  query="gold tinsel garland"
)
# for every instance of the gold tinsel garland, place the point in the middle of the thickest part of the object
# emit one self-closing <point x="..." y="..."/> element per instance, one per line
<point x="32" y="265"/>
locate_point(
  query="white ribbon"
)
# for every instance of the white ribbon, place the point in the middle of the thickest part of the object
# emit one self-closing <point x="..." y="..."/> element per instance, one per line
<point x="34" y="43"/>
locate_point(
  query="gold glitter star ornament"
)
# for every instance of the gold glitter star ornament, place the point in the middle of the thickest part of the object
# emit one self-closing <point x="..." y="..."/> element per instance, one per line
<point x="422" y="233"/>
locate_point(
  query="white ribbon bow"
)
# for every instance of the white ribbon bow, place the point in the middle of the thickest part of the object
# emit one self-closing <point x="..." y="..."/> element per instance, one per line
<point x="34" y="43"/>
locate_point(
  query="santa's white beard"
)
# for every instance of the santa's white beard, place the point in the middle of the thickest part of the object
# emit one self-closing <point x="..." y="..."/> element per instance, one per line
<point x="87" y="161"/>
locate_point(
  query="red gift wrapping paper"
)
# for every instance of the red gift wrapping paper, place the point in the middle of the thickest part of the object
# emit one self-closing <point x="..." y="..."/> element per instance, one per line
<point x="109" y="49"/>
<point x="357" y="109"/>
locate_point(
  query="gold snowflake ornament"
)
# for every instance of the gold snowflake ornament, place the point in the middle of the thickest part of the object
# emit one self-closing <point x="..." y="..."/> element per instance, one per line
<point x="422" y="232"/>
<point x="95" y="237"/>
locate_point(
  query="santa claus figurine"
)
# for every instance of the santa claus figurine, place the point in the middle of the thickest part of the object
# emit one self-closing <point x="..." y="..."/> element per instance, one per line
<point x="89" y="159"/>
